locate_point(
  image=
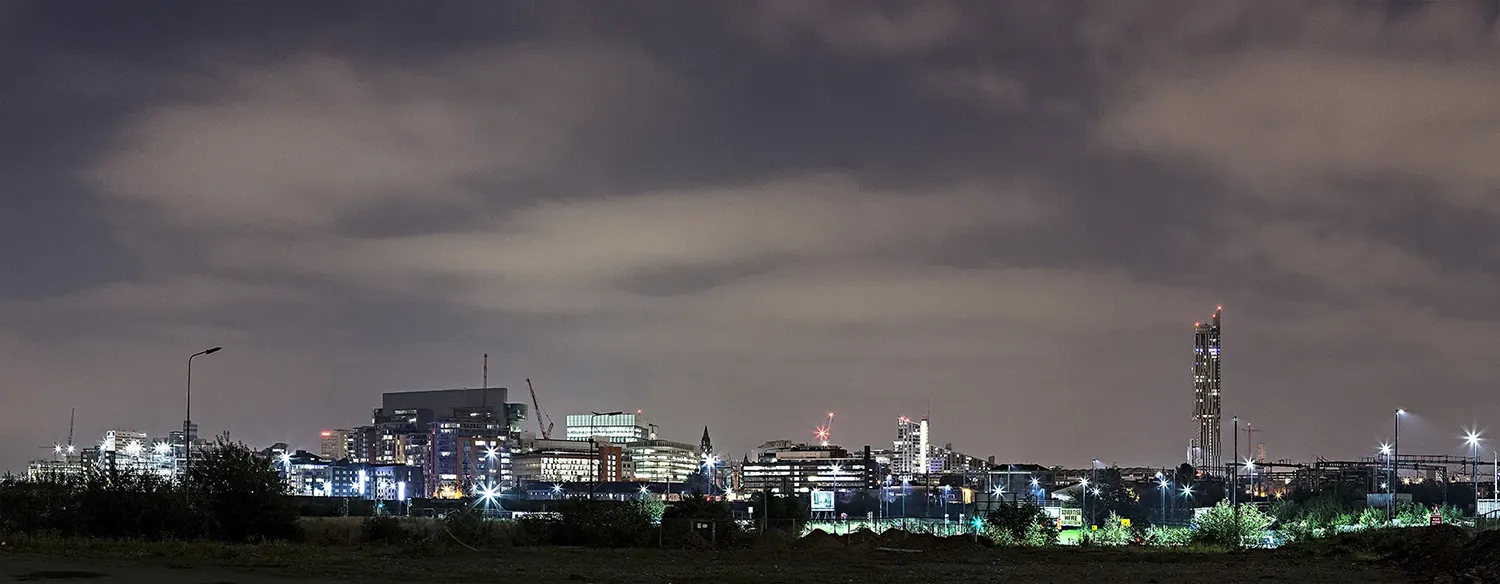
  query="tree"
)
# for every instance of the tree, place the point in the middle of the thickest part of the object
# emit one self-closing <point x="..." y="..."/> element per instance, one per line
<point x="1024" y="524"/>
<point x="240" y="496"/>
<point x="1116" y="497"/>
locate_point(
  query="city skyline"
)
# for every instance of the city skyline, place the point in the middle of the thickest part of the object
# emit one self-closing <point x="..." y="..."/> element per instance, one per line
<point x="748" y="215"/>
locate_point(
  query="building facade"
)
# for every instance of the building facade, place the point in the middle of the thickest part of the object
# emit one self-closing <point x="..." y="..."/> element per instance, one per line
<point x="334" y="444"/>
<point x="458" y="438"/>
<point x="1206" y="449"/>
<point x="662" y="461"/>
<point x="913" y="448"/>
<point x="802" y="468"/>
<point x="618" y="427"/>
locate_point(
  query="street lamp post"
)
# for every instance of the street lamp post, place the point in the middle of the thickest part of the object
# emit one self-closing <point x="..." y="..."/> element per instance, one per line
<point x="1473" y="440"/>
<point x="187" y="422"/>
<point x="1161" y="486"/>
<point x="1390" y="503"/>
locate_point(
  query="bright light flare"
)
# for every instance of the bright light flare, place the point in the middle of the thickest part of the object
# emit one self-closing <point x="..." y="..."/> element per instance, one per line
<point x="1385" y="449"/>
<point x="1472" y="438"/>
<point x="1187" y="491"/>
<point x="487" y="493"/>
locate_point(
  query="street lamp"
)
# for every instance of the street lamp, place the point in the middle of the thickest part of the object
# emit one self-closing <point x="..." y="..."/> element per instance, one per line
<point x="1083" y="485"/>
<point x="1390" y="508"/>
<point x="1472" y="439"/>
<point x="187" y="422"/>
<point x="1162" y="486"/>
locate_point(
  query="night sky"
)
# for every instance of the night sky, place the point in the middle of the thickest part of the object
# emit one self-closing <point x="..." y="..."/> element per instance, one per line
<point x="747" y="214"/>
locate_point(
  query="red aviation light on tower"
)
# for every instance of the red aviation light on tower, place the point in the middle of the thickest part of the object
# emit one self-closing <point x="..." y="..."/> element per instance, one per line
<point x="326" y="434"/>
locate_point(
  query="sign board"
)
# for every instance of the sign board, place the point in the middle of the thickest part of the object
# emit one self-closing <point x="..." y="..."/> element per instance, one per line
<point x="1071" y="518"/>
<point x="822" y="501"/>
<point x="1435" y="519"/>
<point x="1124" y="522"/>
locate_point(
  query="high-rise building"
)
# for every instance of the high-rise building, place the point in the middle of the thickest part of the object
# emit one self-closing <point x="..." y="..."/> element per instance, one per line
<point x="447" y="433"/>
<point x="913" y="448"/>
<point x="1207" y="445"/>
<point x="335" y="444"/>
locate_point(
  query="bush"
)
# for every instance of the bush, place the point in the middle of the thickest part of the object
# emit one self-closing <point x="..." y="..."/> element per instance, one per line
<point x="1219" y="526"/>
<point x="1025" y="524"/>
<point x="382" y="530"/>
<point x="1323" y="512"/>
<point x="1112" y="533"/>
<point x="1372" y="517"/>
<point x="1284" y="512"/>
<point x="602" y="523"/>
<point x="1159" y="535"/>
<point x="680" y="524"/>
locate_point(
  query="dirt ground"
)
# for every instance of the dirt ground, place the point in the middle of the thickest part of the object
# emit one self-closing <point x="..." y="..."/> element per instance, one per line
<point x="263" y="564"/>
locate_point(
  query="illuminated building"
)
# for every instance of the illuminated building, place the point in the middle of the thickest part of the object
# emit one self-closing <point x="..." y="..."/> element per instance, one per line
<point x="334" y="444"/>
<point x="569" y="461"/>
<point x="782" y="467"/>
<point x="618" y="427"/>
<point x="1206" y="449"/>
<point x="913" y="448"/>
<point x="440" y="432"/>
<point x="465" y="449"/>
<point x="663" y="461"/>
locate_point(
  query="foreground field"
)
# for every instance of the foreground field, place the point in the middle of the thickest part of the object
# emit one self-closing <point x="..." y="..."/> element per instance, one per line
<point x="171" y="563"/>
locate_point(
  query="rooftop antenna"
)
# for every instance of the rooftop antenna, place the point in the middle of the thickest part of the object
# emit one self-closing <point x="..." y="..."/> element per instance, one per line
<point x="72" y="413"/>
<point x="485" y="384"/>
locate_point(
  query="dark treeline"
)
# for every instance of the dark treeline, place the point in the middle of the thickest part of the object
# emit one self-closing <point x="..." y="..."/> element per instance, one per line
<point x="231" y="495"/>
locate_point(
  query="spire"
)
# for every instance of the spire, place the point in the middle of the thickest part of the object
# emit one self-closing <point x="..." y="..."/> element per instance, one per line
<point x="708" y="443"/>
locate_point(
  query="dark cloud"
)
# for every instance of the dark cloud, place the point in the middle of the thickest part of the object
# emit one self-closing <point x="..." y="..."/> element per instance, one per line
<point x="745" y="216"/>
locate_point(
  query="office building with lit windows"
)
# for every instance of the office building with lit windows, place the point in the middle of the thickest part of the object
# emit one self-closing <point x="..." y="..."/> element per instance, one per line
<point x="1205" y="451"/>
<point x="787" y="468"/>
<point x="662" y="461"/>
<point x="913" y="448"/>
<point x="618" y="427"/>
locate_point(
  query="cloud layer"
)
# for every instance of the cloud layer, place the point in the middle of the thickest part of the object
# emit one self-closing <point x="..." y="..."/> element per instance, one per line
<point x="1007" y="215"/>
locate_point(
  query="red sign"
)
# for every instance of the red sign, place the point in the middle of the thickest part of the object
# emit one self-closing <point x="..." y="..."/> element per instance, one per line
<point x="1436" y="519"/>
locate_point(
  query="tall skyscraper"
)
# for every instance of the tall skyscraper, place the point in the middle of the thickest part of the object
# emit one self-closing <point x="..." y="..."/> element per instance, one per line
<point x="1207" y="445"/>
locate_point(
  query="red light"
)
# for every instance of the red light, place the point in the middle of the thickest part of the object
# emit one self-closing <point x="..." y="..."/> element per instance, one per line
<point x="327" y="434"/>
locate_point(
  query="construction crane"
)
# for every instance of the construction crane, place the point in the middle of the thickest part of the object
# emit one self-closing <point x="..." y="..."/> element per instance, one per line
<point x="65" y="450"/>
<point x="546" y="431"/>
<point x="825" y="431"/>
